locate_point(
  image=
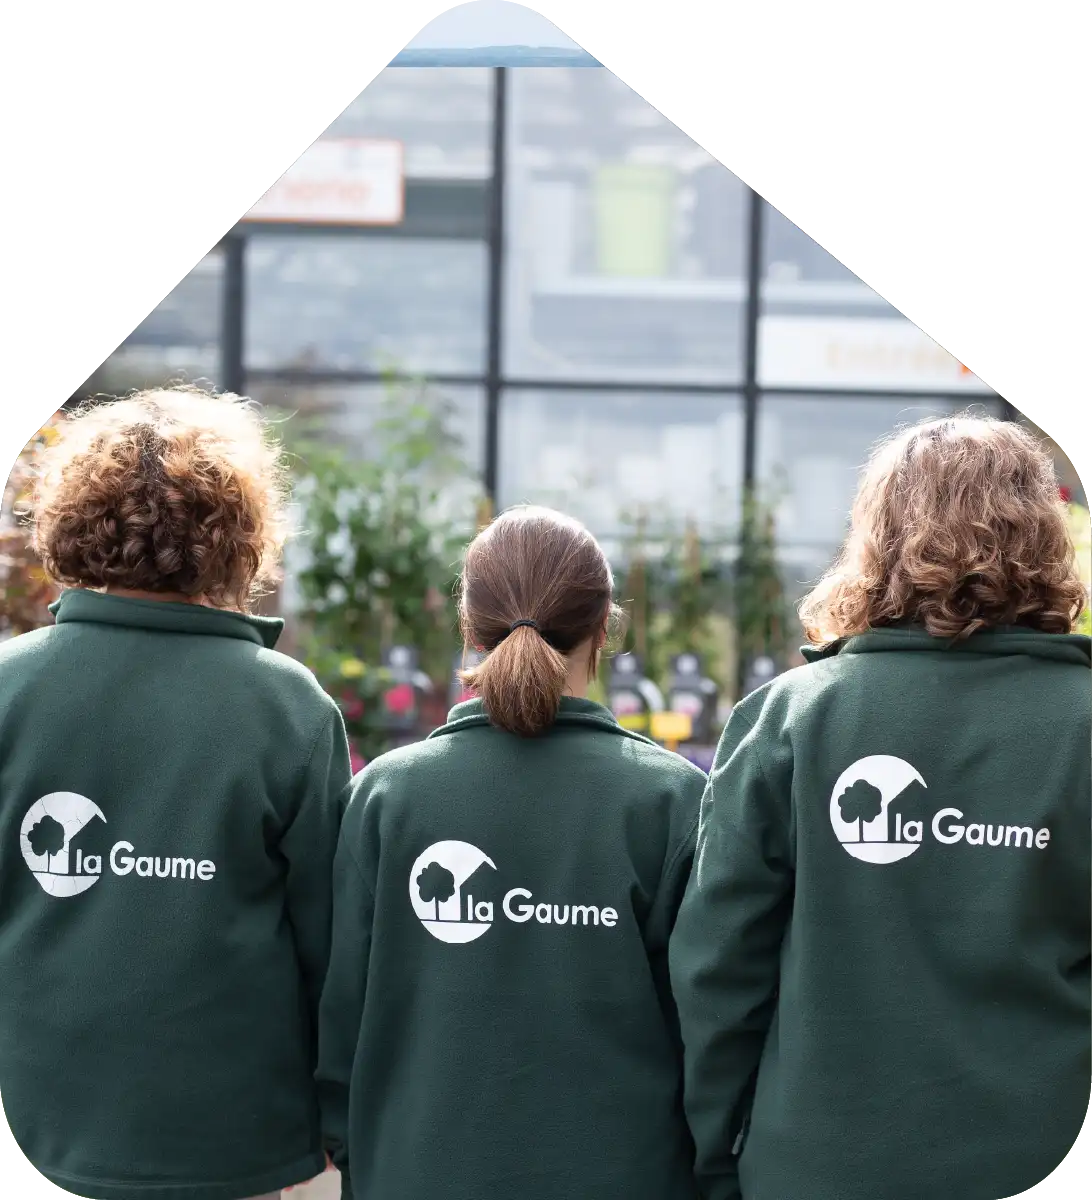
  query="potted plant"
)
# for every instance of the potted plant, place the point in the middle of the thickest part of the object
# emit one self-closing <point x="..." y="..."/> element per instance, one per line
<point x="761" y="612"/>
<point x="359" y="690"/>
<point x="382" y="533"/>
<point x="25" y="592"/>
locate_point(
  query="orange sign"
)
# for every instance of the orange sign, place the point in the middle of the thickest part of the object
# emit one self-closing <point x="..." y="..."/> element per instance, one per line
<point x="339" y="181"/>
<point x="871" y="353"/>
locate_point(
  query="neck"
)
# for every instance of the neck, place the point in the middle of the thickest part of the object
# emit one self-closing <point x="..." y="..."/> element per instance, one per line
<point x="163" y="597"/>
<point x="578" y="677"/>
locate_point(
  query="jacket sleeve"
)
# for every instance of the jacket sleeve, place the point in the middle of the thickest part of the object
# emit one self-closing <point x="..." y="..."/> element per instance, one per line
<point x="665" y="908"/>
<point x="308" y="846"/>
<point x="342" y="1007"/>
<point x="725" y="949"/>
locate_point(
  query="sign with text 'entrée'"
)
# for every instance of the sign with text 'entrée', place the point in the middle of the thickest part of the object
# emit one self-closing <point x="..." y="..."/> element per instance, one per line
<point x="880" y="354"/>
<point x="339" y="181"/>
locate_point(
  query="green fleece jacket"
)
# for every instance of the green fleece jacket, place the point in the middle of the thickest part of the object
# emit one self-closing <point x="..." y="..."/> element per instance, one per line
<point x="170" y="795"/>
<point x="882" y="961"/>
<point x="497" y="1021"/>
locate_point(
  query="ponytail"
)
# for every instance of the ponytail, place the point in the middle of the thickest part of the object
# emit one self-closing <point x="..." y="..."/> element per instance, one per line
<point x="521" y="682"/>
<point x="539" y="562"/>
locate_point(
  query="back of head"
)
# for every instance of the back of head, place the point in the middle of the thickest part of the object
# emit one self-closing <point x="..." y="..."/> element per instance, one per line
<point x="536" y="587"/>
<point x="958" y="525"/>
<point x="169" y="490"/>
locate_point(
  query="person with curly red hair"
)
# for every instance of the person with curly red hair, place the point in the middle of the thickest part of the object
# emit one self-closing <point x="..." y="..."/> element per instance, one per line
<point x="172" y="794"/>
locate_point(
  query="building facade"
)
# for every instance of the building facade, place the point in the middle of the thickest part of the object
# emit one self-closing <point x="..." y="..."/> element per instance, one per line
<point x="622" y="324"/>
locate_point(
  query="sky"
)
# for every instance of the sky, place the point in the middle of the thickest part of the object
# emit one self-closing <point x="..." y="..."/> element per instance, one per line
<point x="490" y="23"/>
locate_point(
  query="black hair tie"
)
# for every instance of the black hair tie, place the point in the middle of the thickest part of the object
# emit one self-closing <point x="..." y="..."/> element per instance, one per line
<point x="519" y="624"/>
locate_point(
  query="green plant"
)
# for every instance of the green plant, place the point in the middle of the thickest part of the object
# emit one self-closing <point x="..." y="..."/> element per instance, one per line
<point x="761" y="612"/>
<point x="25" y="591"/>
<point x="675" y="594"/>
<point x="359" y="691"/>
<point x="636" y="598"/>
<point x="696" y="595"/>
<point x="382" y="532"/>
<point x="682" y="592"/>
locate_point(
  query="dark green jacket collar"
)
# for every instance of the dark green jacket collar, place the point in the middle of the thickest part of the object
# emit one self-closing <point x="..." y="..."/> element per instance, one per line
<point x="1061" y="647"/>
<point x="573" y="711"/>
<point x="80" y="604"/>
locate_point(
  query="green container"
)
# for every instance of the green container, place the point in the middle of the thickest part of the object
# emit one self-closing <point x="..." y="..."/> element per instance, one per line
<point x="634" y="219"/>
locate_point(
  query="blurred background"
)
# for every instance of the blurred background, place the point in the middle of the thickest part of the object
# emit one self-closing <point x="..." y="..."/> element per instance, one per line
<point x="941" y="148"/>
<point x="486" y="286"/>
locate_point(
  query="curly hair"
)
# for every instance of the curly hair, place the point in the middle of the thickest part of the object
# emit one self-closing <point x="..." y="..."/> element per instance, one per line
<point x="171" y="490"/>
<point x="958" y="525"/>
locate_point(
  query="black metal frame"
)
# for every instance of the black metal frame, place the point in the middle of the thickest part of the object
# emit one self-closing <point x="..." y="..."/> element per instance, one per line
<point x="495" y="317"/>
<point x="233" y="316"/>
<point x="750" y="338"/>
<point x="517" y="383"/>
<point x="449" y="210"/>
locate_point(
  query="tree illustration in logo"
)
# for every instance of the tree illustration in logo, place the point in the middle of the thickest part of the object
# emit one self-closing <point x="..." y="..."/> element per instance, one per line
<point x="435" y="884"/>
<point x="46" y="837"/>
<point x="860" y="802"/>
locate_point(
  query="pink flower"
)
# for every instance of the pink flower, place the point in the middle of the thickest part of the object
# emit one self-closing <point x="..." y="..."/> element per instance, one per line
<point x="399" y="700"/>
<point x="352" y="707"/>
<point x="356" y="763"/>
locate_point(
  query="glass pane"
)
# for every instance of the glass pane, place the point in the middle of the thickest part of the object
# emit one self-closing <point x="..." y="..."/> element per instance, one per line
<point x="442" y="115"/>
<point x="604" y="456"/>
<point x="626" y="246"/>
<point x="178" y="341"/>
<point x="800" y="277"/>
<point x="790" y="256"/>
<point x="821" y="326"/>
<point x="365" y="303"/>
<point x="810" y="451"/>
<point x="346" y="413"/>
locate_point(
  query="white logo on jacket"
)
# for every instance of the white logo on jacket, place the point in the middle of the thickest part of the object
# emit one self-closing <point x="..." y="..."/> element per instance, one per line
<point x="436" y="892"/>
<point x="48" y="841"/>
<point x="441" y="893"/>
<point x="45" y="840"/>
<point x="872" y="827"/>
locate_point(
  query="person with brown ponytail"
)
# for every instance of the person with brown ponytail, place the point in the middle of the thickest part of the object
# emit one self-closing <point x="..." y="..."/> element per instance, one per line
<point x="497" y="1019"/>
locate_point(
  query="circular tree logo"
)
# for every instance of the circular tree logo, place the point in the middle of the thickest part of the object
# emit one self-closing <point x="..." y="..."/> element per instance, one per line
<point x="861" y="812"/>
<point x="440" y="896"/>
<point x="46" y="841"/>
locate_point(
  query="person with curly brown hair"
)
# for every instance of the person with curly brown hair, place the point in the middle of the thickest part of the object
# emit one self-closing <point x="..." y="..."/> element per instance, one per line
<point x="882" y="960"/>
<point x="171" y="790"/>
